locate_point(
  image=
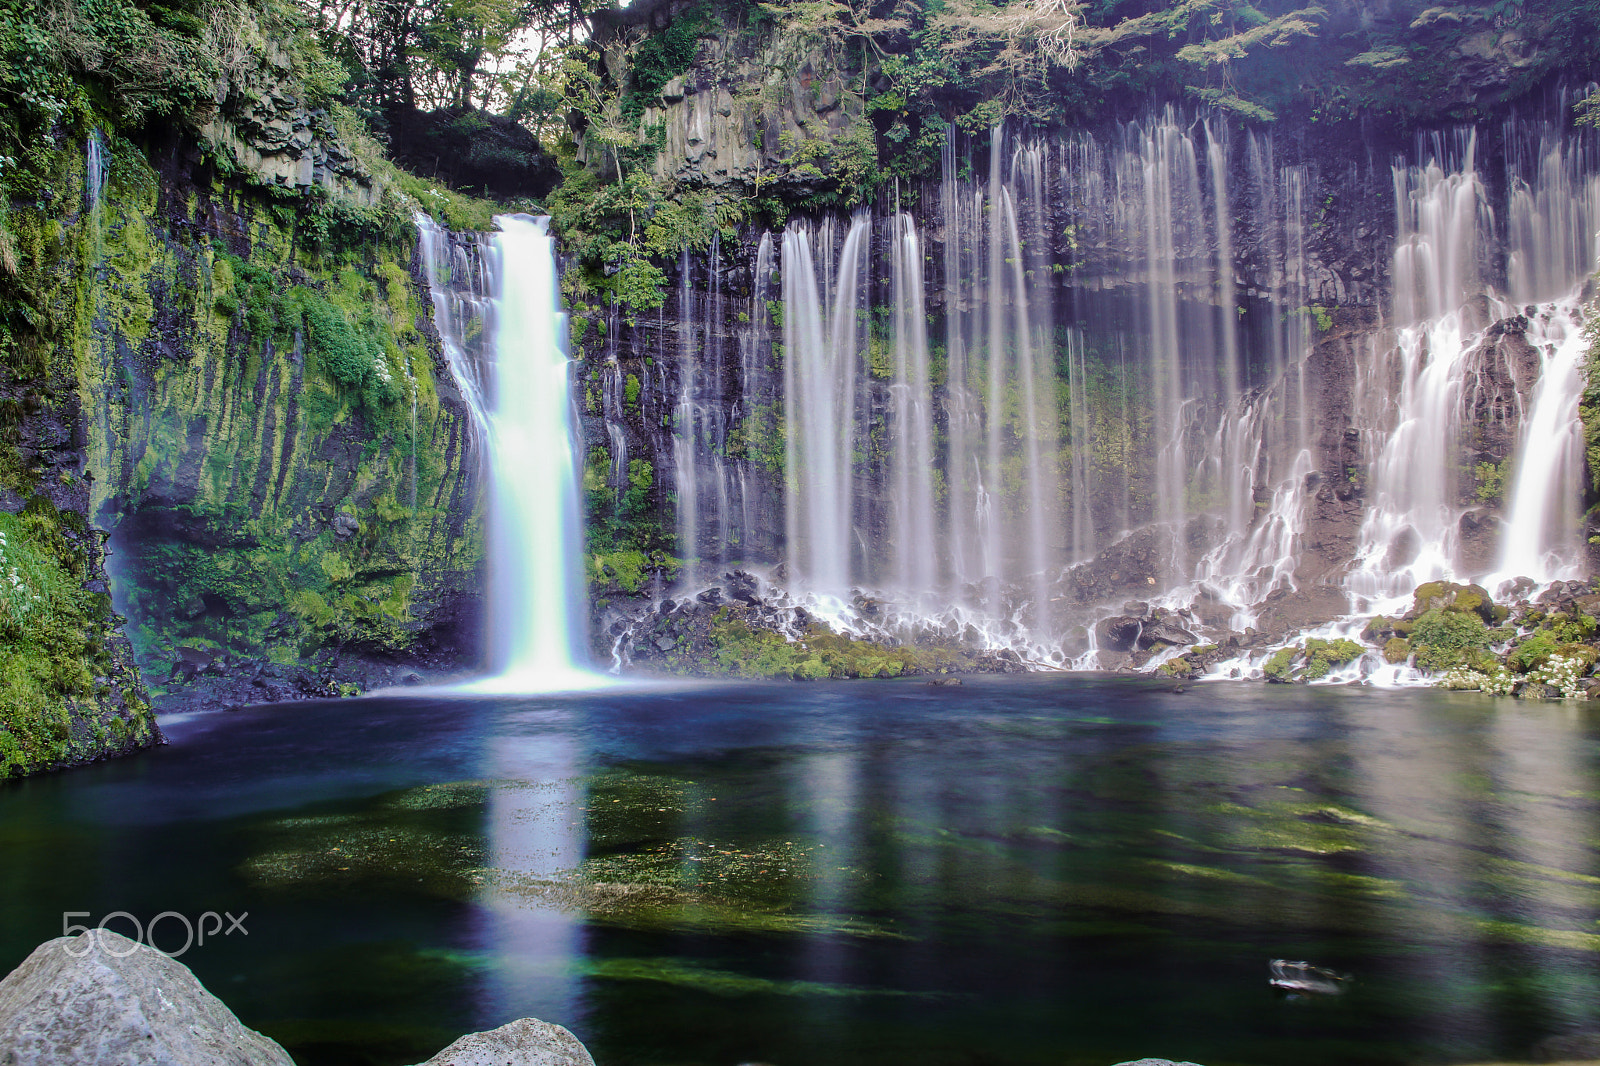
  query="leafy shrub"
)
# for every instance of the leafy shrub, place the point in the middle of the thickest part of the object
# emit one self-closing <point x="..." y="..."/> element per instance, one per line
<point x="1532" y="653"/>
<point x="1442" y="639"/>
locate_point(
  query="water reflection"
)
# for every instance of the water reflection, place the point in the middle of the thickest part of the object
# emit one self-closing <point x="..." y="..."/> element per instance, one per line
<point x="1019" y="871"/>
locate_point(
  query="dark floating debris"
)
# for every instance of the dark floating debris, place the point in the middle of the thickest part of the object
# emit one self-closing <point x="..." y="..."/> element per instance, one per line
<point x="1302" y="978"/>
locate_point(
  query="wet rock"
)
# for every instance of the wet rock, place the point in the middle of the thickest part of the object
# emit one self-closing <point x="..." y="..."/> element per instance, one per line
<point x="743" y="587"/>
<point x="1164" y="632"/>
<point x="101" y="998"/>
<point x="524" y="1042"/>
<point x="345" y="526"/>
<point x="1119" y="633"/>
<point x="1290" y="610"/>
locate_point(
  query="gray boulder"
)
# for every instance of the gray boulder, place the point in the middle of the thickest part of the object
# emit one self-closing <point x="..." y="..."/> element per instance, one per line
<point x="524" y="1042"/>
<point x="100" y="999"/>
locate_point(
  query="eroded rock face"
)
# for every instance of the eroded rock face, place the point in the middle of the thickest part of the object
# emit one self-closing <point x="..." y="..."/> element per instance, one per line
<point x="524" y="1042"/>
<point x="263" y="122"/>
<point x="100" y="999"/>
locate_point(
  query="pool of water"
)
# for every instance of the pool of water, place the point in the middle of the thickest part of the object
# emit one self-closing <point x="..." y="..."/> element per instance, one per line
<point x="1046" y="869"/>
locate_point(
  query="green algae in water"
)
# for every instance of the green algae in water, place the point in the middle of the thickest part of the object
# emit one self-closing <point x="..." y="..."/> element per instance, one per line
<point x="426" y="840"/>
<point x="720" y="982"/>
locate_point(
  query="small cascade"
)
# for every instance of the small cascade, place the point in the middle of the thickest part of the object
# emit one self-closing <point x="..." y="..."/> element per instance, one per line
<point x="97" y="167"/>
<point x="497" y="310"/>
<point x="757" y="407"/>
<point x="1410" y="532"/>
<point x="1542" y="535"/>
<point x="1445" y="303"/>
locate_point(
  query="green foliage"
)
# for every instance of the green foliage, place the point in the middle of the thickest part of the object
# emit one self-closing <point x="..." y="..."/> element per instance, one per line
<point x="1280" y="663"/>
<point x="1491" y="480"/>
<point x="1533" y="652"/>
<point x="741" y="650"/>
<point x="663" y="56"/>
<point x="760" y="438"/>
<point x="1441" y="639"/>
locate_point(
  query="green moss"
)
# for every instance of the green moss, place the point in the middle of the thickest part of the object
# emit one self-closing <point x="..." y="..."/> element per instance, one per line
<point x="1396" y="650"/>
<point x="1280" y="663"/>
<point x="1323" y="655"/>
<point x="63" y="697"/>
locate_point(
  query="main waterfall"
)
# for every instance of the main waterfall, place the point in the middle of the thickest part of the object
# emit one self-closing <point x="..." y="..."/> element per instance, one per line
<point x="1106" y="376"/>
<point x="497" y="310"/>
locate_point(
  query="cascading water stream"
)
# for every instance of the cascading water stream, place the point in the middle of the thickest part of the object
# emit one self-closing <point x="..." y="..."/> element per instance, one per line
<point x="518" y="390"/>
<point x="823" y="352"/>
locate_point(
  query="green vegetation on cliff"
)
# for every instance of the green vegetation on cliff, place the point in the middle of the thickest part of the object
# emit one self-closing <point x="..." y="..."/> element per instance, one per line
<point x="68" y="690"/>
<point x="211" y="341"/>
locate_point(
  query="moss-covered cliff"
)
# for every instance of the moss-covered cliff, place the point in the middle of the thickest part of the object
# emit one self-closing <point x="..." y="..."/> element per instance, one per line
<point x="280" y="453"/>
<point x="216" y="345"/>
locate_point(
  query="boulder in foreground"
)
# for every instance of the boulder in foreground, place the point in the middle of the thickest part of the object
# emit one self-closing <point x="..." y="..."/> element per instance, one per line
<point x="100" y="999"/>
<point x="524" y="1042"/>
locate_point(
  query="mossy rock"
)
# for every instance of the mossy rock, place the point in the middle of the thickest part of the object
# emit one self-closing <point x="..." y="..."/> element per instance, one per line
<point x="1380" y="628"/>
<point x="1182" y="668"/>
<point x="1458" y="599"/>
<point x="1323" y="655"/>
<point x="1396" y="650"/>
<point x="1279" y="667"/>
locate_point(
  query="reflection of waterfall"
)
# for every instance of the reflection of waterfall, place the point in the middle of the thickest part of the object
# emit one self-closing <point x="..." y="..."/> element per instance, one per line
<point x="517" y="388"/>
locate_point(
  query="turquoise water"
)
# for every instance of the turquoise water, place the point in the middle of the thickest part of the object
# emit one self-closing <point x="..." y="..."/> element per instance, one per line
<point x="1043" y="869"/>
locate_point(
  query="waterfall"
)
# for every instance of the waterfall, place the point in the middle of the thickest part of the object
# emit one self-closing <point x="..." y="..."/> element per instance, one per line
<point x="685" y="437"/>
<point x="497" y="310"/>
<point x="1446" y="307"/>
<point x="911" y="421"/>
<point x="822" y="355"/>
<point x="97" y="167"/>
